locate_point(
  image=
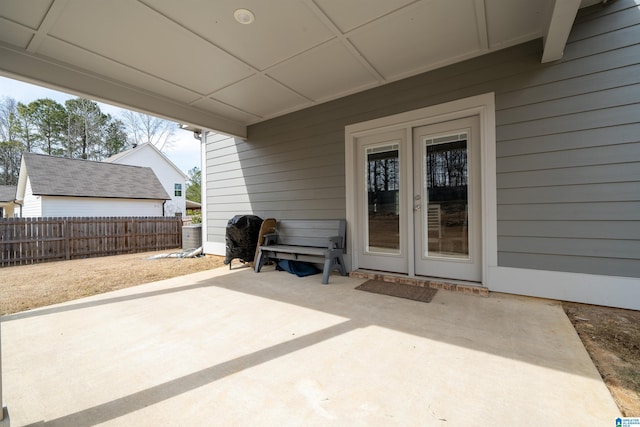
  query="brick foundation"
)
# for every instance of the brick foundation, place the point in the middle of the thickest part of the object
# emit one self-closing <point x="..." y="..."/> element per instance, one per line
<point x="424" y="283"/>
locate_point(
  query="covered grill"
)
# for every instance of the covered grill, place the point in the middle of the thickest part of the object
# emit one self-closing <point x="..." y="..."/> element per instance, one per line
<point x="241" y="238"/>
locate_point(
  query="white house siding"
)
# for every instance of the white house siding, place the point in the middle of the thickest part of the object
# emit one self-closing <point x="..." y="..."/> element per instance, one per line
<point x="32" y="205"/>
<point x="56" y="206"/>
<point x="7" y="210"/>
<point x="568" y="152"/>
<point x="166" y="173"/>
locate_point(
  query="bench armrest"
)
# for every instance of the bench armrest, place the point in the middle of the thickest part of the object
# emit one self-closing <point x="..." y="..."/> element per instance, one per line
<point x="269" y="239"/>
<point x="336" y="242"/>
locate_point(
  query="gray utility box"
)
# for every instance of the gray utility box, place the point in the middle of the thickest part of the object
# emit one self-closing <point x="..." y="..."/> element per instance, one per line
<point x="191" y="236"/>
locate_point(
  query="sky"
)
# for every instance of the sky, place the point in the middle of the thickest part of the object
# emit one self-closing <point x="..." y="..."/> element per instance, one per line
<point x="184" y="151"/>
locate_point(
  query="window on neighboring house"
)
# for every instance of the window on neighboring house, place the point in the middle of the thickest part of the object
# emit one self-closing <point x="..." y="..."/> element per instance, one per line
<point x="177" y="190"/>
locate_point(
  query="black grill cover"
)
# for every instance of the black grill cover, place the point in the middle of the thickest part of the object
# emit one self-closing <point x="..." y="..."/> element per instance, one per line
<point x="242" y="237"/>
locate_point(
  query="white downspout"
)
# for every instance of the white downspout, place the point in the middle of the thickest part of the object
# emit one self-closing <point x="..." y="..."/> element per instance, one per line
<point x="203" y="185"/>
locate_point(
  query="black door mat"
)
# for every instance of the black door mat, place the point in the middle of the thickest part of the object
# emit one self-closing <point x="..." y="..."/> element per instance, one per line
<point x="416" y="293"/>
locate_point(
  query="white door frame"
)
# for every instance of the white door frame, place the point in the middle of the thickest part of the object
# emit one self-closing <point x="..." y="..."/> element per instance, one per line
<point x="481" y="105"/>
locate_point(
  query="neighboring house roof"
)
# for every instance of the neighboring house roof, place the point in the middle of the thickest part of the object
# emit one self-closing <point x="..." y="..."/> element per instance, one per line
<point x="7" y="193"/>
<point x="147" y="145"/>
<point x="59" y="176"/>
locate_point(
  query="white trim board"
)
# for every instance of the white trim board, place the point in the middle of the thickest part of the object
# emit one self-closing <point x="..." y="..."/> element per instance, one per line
<point x="481" y="105"/>
<point x="614" y="291"/>
<point x="214" y="248"/>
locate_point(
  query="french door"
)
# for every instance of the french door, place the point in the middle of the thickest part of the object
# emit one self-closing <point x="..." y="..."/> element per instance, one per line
<point x="419" y="203"/>
<point x="447" y="211"/>
<point x="382" y="202"/>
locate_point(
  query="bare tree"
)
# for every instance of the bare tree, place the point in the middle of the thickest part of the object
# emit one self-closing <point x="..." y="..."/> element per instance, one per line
<point x="10" y="146"/>
<point x="143" y="128"/>
<point x="8" y="119"/>
<point x="85" y="129"/>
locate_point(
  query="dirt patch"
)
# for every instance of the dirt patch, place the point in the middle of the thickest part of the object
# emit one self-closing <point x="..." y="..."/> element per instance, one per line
<point x="30" y="286"/>
<point x="612" y="339"/>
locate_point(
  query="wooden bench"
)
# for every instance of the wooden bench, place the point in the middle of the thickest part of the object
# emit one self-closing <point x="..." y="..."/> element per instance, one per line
<point x="316" y="241"/>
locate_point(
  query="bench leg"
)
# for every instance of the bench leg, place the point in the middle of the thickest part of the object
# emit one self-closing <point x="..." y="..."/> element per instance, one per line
<point x="326" y="270"/>
<point x="259" y="262"/>
<point x="340" y="262"/>
<point x="330" y="264"/>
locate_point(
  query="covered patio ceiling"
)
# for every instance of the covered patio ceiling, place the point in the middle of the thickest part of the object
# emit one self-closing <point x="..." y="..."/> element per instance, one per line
<point x="193" y="62"/>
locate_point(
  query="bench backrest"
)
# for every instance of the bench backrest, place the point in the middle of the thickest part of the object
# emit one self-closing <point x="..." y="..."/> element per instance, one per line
<point x="310" y="232"/>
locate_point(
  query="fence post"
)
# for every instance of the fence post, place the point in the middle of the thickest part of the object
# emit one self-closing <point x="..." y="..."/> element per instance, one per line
<point x="134" y="237"/>
<point x="66" y="226"/>
<point x="4" y="246"/>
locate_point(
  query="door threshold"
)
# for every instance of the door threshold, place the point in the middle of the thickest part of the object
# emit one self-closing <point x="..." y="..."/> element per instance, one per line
<point x="467" y="288"/>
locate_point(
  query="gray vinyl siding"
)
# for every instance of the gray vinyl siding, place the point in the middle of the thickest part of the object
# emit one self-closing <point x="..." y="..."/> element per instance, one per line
<point x="568" y="153"/>
<point x="273" y="179"/>
<point x="568" y="148"/>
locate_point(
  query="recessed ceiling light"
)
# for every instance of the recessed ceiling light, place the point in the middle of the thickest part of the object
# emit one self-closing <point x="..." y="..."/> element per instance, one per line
<point x="244" y="16"/>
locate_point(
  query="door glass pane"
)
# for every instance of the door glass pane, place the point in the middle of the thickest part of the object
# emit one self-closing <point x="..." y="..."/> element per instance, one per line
<point x="383" y="199"/>
<point x="447" y="194"/>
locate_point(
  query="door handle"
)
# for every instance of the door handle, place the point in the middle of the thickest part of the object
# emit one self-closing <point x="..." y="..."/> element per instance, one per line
<point x="417" y="207"/>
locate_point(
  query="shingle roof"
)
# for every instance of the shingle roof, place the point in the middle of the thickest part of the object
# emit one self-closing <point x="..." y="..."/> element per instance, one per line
<point x="59" y="176"/>
<point x="7" y="193"/>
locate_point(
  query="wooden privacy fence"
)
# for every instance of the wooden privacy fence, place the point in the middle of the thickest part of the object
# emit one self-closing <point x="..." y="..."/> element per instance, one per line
<point x="34" y="240"/>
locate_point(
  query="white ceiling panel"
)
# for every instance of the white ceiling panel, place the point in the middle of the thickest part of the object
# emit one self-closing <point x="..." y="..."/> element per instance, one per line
<point x="15" y="34"/>
<point x="26" y="12"/>
<point x="419" y="37"/>
<point x="282" y="28"/>
<point x="261" y="96"/>
<point x="350" y="14"/>
<point x="221" y="109"/>
<point x="515" y="21"/>
<point x="323" y="73"/>
<point x="159" y="47"/>
<point x="62" y="51"/>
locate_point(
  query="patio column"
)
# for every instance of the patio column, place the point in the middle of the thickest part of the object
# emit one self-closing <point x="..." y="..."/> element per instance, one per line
<point x="1" y="401"/>
<point x="4" y="415"/>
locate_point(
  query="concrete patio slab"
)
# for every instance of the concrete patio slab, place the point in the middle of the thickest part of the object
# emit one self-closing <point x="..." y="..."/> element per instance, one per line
<point x="230" y="348"/>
